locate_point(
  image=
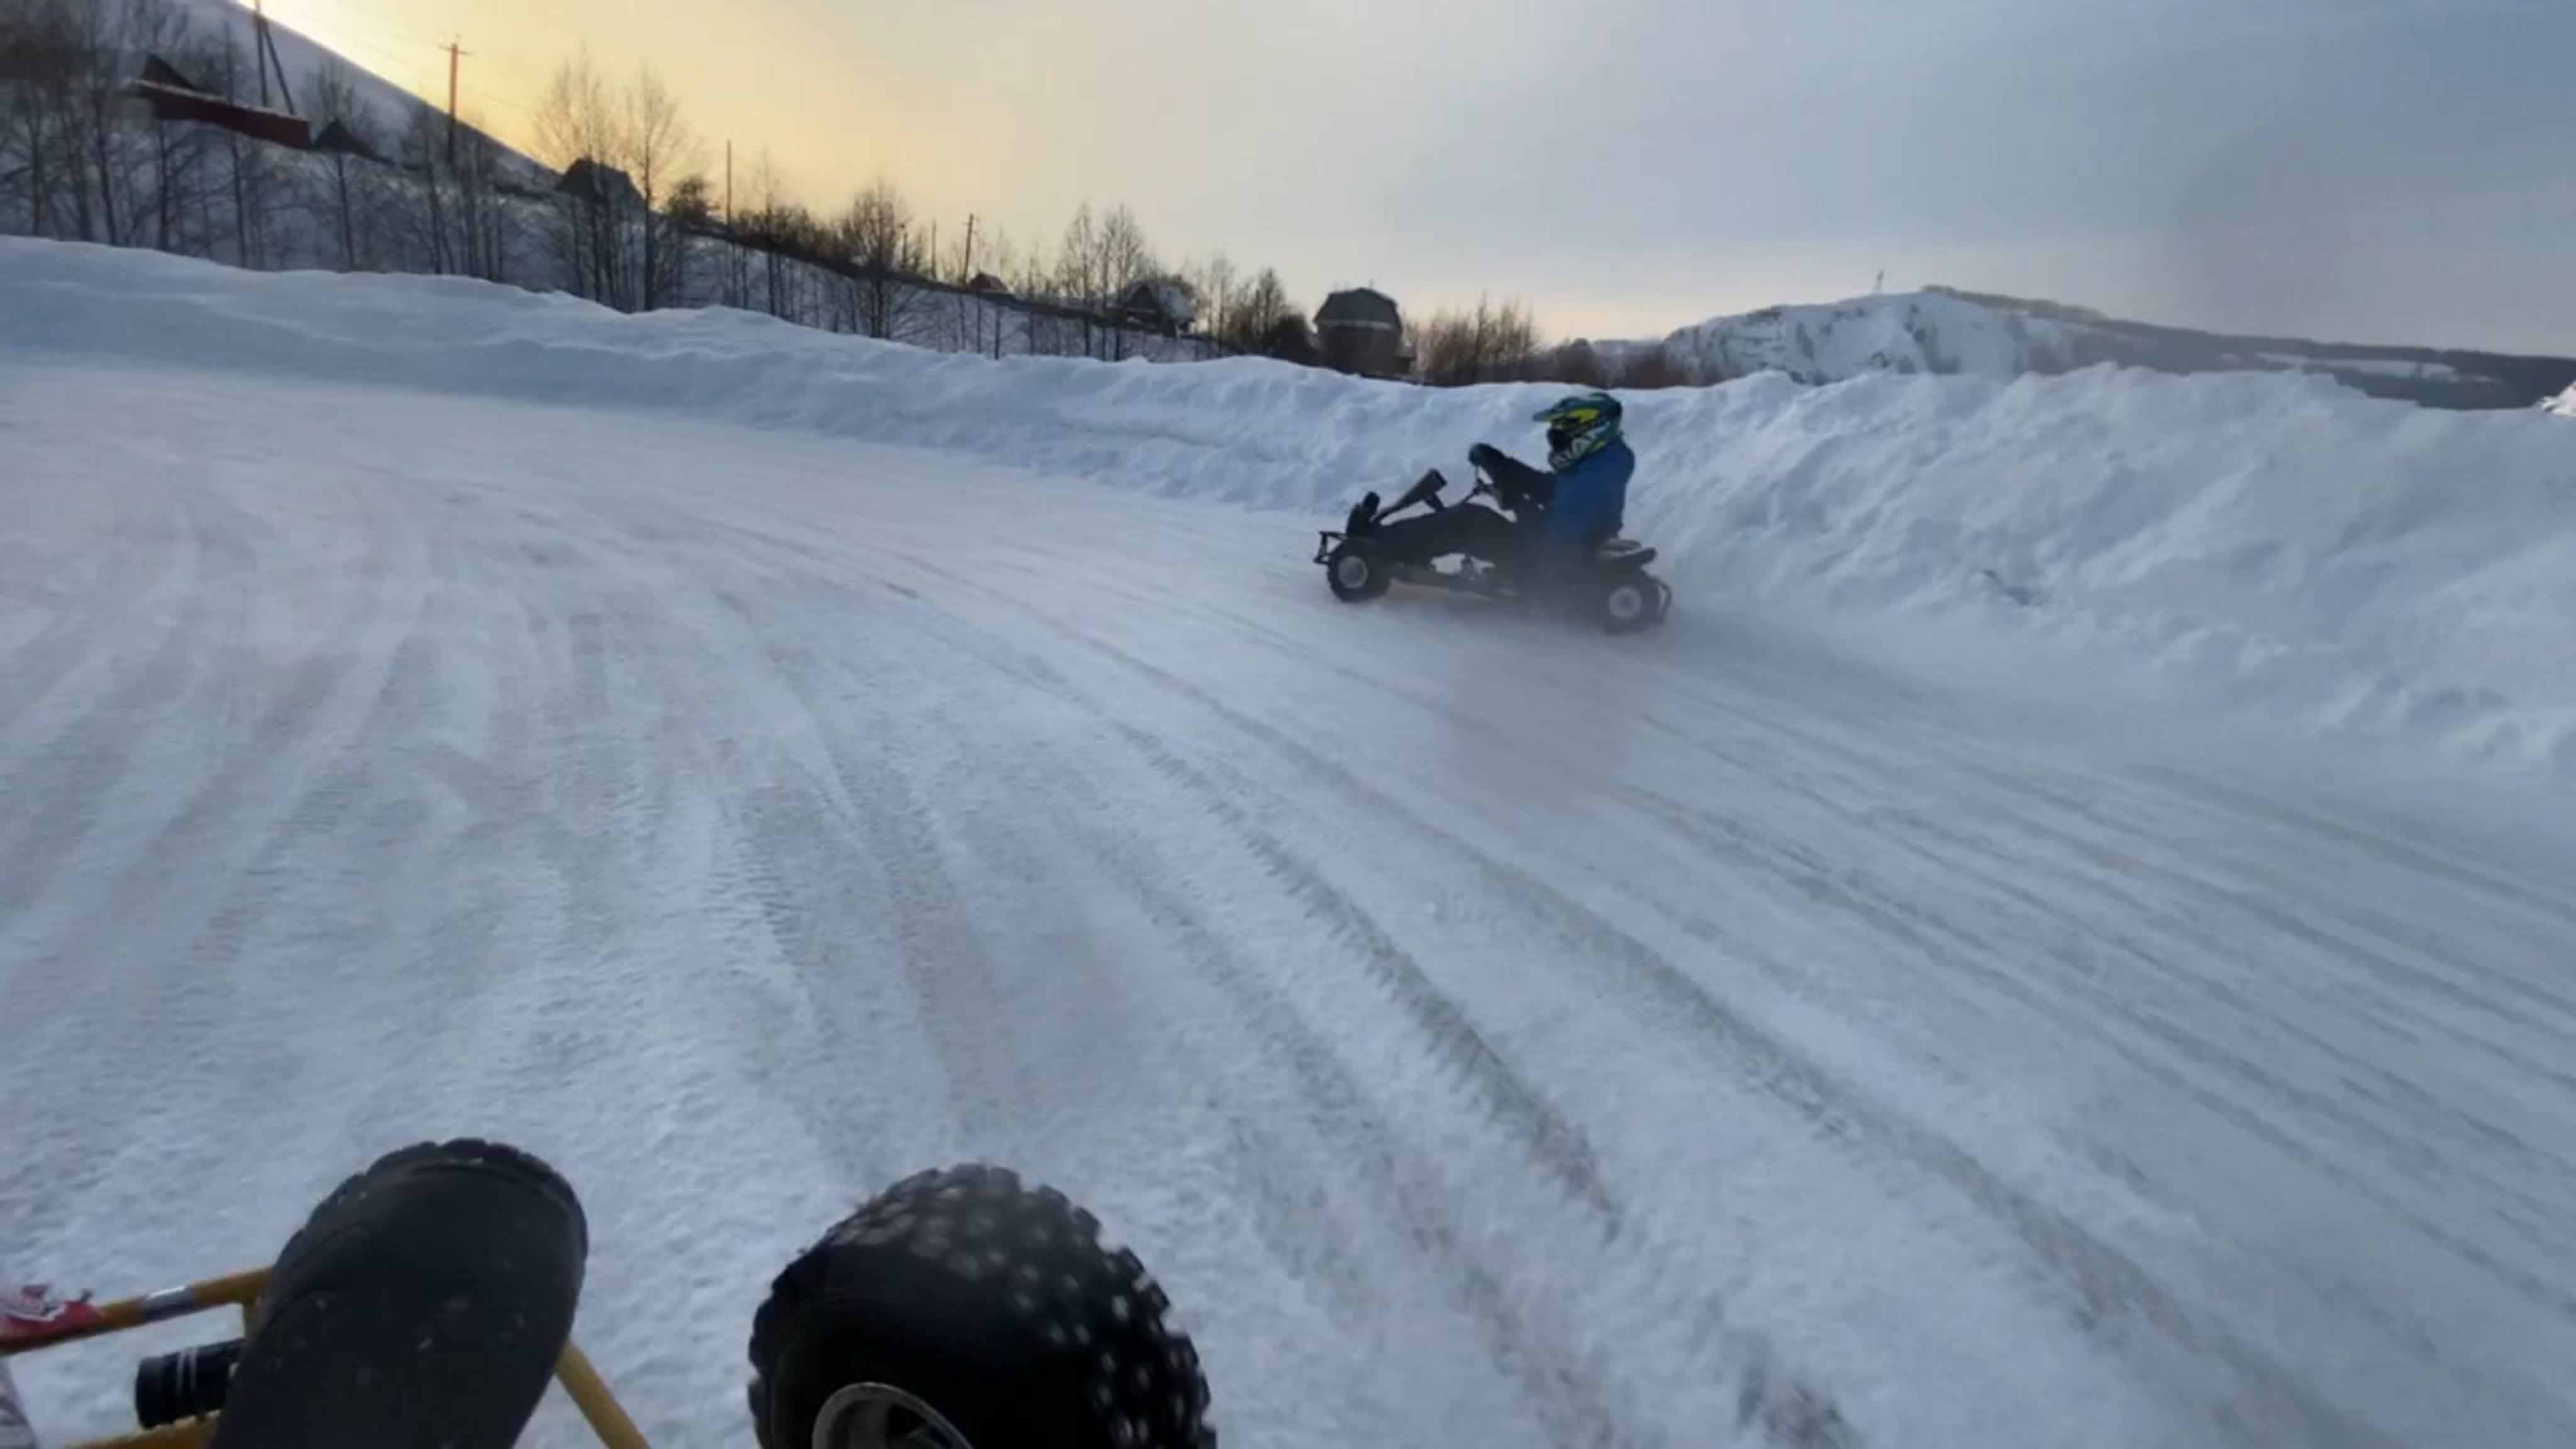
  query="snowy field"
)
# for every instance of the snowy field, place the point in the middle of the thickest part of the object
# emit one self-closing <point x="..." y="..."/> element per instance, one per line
<point x="745" y="766"/>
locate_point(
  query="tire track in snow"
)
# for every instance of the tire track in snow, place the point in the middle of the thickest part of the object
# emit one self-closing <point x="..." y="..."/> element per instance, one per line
<point x="2558" y="908"/>
<point x="2104" y="1285"/>
<point x="1573" y="1408"/>
<point x="914" y="908"/>
<point x="267" y="784"/>
<point x="1560" y="1372"/>
<point x="1558" y="1145"/>
<point x="72" y="770"/>
<point x="1942" y="944"/>
<point x="170" y="537"/>
<point x="1788" y="1410"/>
<point x="2051" y="853"/>
<point x="2364" y="931"/>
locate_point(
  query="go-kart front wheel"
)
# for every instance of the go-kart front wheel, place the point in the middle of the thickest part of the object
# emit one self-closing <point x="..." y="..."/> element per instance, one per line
<point x="1356" y="574"/>
<point x="964" y="1310"/>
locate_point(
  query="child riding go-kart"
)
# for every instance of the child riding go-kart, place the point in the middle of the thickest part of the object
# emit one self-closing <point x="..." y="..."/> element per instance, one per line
<point x="1552" y="535"/>
<point x="429" y="1301"/>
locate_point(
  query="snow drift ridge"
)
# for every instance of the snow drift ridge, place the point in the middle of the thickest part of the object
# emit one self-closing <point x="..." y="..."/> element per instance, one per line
<point x="2359" y="564"/>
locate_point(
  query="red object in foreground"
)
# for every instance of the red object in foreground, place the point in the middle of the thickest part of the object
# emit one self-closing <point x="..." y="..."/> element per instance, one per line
<point x="34" y="1315"/>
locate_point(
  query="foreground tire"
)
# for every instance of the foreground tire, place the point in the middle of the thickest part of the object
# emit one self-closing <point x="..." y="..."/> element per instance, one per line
<point x="972" y="1312"/>
<point x="1357" y="575"/>
<point x="1630" y="603"/>
<point x="423" y="1304"/>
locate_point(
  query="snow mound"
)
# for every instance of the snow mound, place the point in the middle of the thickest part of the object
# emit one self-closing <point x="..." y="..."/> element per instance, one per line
<point x="2563" y="405"/>
<point x="1946" y="330"/>
<point x="1910" y="332"/>
<point x="2271" y="540"/>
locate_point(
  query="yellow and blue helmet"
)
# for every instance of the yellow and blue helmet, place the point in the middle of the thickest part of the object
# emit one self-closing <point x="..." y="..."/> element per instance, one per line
<point x="1578" y="426"/>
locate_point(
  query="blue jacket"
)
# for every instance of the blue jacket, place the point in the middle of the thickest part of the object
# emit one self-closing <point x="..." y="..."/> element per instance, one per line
<point x="1591" y="501"/>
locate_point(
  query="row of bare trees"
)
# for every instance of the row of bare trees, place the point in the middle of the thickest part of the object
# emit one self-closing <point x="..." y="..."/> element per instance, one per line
<point x="1458" y="347"/>
<point x="620" y="210"/>
<point x="81" y="159"/>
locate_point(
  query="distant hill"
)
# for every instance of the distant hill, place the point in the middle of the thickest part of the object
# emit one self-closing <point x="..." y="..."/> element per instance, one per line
<point x="1949" y="330"/>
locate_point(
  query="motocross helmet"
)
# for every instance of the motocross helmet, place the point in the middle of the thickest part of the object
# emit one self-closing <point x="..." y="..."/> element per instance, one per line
<point x="1578" y="426"/>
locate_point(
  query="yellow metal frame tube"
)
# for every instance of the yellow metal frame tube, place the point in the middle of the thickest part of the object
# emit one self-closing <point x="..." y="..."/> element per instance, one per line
<point x="573" y="1369"/>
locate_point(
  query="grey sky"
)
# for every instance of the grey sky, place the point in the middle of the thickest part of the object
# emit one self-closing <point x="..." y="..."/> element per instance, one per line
<point x="2333" y="167"/>
<point x="2355" y="169"/>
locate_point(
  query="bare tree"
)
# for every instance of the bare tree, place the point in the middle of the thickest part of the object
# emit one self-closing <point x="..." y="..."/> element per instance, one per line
<point x="34" y="51"/>
<point x="1080" y="269"/>
<point x="656" y="145"/>
<point x="768" y="223"/>
<point x="1216" y="284"/>
<point x="691" y="215"/>
<point x="579" y="124"/>
<point x="879" y="239"/>
<point x="250" y="160"/>
<point x="484" y="221"/>
<point x="1256" y="312"/>
<point x="999" y="257"/>
<point x="331" y="99"/>
<point x="77" y="160"/>
<point x="1125" y="259"/>
<point x="1490" y="344"/>
<point x="424" y="144"/>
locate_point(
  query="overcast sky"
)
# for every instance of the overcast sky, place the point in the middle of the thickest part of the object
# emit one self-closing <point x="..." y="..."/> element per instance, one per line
<point x="2368" y="170"/>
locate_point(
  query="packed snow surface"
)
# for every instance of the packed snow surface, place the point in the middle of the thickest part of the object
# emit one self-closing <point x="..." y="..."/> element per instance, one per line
<point x="708" y="755"/>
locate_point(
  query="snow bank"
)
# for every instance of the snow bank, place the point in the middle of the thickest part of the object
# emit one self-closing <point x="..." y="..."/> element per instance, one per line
<point x="1943" y="330"/>
<point x="2563" y="405"/>
<point x="2272" y="539"/>
<point x="1909" y="332"/>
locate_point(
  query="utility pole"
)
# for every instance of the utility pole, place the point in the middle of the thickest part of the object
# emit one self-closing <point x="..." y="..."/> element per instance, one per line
<point x="453" y="56"/>
<point x="728" y="184"/>
<point x="266" y="43"/>
<point x="969" y="267"/>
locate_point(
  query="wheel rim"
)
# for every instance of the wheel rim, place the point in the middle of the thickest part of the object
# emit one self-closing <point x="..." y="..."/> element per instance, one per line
<point x="881" y="1416"/>
<point x="1352" y="571"/>
<point x="1627" y="603"/>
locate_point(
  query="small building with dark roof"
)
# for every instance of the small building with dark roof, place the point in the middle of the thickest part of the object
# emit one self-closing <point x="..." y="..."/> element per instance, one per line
<point x="599" y="182"/>
<point x="1166" y="304"/>
<point x="1360" y="330"/>
<point x="336" y="135"/>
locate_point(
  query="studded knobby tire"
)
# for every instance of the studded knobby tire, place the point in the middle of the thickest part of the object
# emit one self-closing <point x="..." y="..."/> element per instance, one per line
<point x="424" y="1303"/>
<point x="995" y="1304"/>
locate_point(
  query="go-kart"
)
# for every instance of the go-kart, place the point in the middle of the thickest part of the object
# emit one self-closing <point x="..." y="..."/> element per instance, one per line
<point x="1610" y="587"/>
<point x="429" y="1301"/>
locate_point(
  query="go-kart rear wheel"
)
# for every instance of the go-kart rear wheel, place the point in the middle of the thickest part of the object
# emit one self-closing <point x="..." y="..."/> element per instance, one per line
<point x="963" y="1310"/>
<point x="1631" y="602"/>
<point x="1356" y="574"/>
